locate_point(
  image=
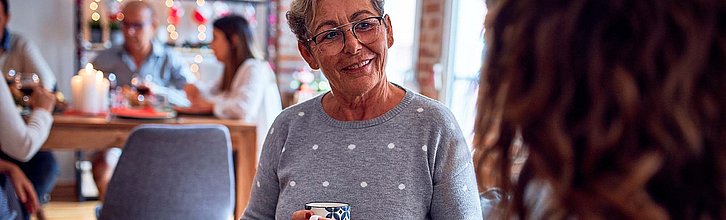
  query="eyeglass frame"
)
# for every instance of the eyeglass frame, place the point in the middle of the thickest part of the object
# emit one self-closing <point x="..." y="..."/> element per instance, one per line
<point x="381" y="19"/>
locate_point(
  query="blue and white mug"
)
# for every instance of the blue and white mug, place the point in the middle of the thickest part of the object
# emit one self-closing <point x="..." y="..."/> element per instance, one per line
<point x="330" y="210"/>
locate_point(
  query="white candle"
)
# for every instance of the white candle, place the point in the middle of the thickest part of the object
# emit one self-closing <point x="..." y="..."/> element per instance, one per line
<point x="76" y="86"/>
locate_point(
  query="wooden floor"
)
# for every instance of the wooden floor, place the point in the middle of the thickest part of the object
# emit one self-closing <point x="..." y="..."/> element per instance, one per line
<point x="66" y="210"/>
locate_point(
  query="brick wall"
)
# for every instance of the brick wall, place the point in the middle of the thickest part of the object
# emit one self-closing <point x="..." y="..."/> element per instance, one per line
<point x="430" y="45"/>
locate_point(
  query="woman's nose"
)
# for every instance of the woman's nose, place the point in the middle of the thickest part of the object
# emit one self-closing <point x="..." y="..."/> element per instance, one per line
<point x="351" y="44"/>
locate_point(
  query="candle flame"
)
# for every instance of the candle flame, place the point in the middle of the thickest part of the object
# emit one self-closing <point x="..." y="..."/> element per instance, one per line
<point x="89" y="68"/>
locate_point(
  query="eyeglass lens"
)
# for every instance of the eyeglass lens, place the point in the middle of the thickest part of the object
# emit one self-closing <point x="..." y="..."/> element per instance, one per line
<point x="332" y="41"/>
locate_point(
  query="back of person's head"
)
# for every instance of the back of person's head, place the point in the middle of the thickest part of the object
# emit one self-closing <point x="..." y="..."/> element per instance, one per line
<point x="235" y="26"/>
<point x="619" y="107"/>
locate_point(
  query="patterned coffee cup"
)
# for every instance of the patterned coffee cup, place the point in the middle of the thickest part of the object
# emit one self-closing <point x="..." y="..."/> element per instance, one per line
<point x="330" y="210"/>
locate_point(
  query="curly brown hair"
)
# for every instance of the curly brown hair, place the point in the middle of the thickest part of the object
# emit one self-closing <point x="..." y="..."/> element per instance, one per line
<point x="620" y="106"/>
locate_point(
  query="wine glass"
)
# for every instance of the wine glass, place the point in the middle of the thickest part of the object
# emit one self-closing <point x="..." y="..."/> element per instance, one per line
<point x="140" y="84"/>
<point x="10" y="77"/>
<point x="25" y="82"/>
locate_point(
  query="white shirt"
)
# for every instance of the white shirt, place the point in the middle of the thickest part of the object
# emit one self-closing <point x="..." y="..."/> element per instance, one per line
<point x="18" y="140"/>
<point x="253" y="97"/>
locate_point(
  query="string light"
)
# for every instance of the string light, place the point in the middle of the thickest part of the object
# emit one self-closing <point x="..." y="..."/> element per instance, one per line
<point x="200" y="2"/>
<point x="198" y="58"/>
<point x="173" y="35"/>
<point x="95" y="16"/>
<point x="93" y="6"/>
<point x="194" y="67"/>
<point x="202" y="36"/>
<point x="202" y="28"/>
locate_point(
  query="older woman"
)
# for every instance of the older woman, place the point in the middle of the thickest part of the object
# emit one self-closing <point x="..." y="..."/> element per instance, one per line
<point x="383" y="149"/>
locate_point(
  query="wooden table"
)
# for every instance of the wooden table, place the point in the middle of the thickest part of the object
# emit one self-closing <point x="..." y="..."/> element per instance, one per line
<point x="96" y="133"/>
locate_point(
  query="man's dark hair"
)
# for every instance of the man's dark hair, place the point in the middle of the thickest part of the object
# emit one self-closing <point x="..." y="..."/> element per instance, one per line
<point x="5" y="6"/>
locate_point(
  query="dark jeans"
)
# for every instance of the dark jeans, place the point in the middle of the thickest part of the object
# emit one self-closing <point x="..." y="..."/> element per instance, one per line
<point x="42" y="170"/>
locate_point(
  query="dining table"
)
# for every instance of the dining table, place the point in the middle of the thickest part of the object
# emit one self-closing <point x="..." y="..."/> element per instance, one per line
<point x="97" y="132"/>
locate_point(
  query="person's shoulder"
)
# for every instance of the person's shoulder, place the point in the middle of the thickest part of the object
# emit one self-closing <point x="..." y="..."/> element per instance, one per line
<point x="428" y="105"/>
<point x="19" y="40"/>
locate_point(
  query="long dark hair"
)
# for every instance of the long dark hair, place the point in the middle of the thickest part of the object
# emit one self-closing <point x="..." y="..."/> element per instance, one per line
<point x="619" y="104"/>
<point x="234" y="26"/>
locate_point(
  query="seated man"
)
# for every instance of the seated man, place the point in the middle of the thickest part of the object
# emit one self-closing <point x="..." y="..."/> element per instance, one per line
<point x="19" y="54"/>
<point x="139" y="56"/>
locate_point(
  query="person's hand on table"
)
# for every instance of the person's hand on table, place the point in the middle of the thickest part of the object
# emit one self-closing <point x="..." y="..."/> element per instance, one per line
<point x="305" y="215"/>
<point x="42" y="98"/>
<point x="198" y="104"/>
<point x="23" y="187"/>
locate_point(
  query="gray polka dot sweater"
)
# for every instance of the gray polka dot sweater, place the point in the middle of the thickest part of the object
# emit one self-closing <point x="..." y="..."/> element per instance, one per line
<point x="409" y="163"/>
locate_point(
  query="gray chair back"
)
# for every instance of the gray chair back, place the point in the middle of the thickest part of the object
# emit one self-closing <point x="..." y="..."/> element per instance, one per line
<point x="173" y="172"/>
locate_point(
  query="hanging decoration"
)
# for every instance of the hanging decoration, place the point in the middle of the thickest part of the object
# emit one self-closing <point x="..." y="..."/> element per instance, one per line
<point x="200" y="17"/>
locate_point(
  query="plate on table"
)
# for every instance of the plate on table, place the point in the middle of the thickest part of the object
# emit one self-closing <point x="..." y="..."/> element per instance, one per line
<point x="142" y="113"/>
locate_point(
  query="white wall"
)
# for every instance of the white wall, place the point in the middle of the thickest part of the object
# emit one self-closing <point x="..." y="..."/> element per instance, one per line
<point x="49" y="24"/>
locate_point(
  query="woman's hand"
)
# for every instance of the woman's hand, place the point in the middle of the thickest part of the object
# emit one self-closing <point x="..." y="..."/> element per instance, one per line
<point x="192" y="92"/>
<point x="23" y="187"/>
<point x="306" y="215"/>
<point x="42" y="98"/>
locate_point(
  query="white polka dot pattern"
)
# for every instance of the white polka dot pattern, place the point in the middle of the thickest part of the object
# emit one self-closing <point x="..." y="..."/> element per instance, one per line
<point x="301" y="114"/>
<point x="258" y="184"/>
<point x="391" y="146"/>
<point x="401" y="186"/>
<point x="424" y="148"/>
<point x="272" y="130"/>
<point x="363" y="184"/>
<point x="315" y="147"/>
<point x="326" y="184"/>
<point x="292" y="183"/>
<point x="352" y="146"/>
<point x="420" y="110"/>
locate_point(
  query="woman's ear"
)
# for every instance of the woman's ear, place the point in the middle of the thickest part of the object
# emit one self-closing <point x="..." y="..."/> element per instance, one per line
<point x="389" y="31"/>
<point x="307" y="55"/>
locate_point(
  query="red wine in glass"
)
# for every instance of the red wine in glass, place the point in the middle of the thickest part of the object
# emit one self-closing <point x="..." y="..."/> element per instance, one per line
<point x="143" y="90"/>
<point x="27" y="91"/>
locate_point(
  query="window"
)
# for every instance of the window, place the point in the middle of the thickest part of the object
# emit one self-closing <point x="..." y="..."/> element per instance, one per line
<point x="401" y="56"/>
<point x="464" y="60"/>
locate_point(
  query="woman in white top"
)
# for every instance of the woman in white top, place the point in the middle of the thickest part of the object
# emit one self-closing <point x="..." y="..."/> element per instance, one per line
<point x="22" y="141"/>
<point x="247" y="89"/>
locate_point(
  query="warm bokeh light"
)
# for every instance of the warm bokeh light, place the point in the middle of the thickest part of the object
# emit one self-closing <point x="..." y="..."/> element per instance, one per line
<point x="93" y="6"/>
<point x="170" y="28"/>
<point x="202" y="36"/>
<point x="198" y="58"/>
<point x="202" y="28"/>
<point x="120" y="16"/>
<point x="174" y="35"/>
<point x="95" y="16"/>
<point x="194" y="67"/>
<point x="169" y="3"/>
<point x="200" y="2"/>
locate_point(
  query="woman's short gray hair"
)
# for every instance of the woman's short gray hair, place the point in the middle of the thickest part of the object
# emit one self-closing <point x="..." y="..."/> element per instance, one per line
<point x="302" y="12"/>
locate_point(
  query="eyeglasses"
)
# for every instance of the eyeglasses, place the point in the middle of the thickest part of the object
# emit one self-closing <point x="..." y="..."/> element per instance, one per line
<point x="133" y="25"/>
<point x="366" y="31"/>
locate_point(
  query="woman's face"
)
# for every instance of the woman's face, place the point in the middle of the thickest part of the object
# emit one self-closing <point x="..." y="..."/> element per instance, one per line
<point x="357" y="67"/>
<point x="219" y="45"/>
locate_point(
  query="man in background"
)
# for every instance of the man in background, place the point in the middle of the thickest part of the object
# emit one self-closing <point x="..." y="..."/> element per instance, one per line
<point x="141" y="56"/>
